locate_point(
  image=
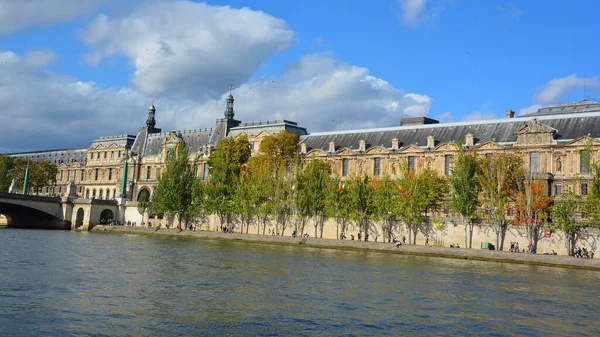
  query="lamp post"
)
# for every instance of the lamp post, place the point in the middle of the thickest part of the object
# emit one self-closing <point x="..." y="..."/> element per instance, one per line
<point x="26" y="180"/>
<point x="125" y="173"/>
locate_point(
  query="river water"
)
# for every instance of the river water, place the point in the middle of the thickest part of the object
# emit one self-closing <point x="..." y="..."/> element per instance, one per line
<point x="61" y="283"/>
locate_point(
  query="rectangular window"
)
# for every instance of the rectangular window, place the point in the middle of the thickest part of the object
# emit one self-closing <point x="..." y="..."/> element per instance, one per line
<point x="92" y="155"/>
<point x="509" y="212"/>
<point x="61" y="176"/>
<point x="376" y="166"/>
<point x="148" y="172"/>
<point x="344" y="167"/>
<point x="448" y="164"/>
<point x="411" y="163"/>
<point x="584" y="189"/>
<point x="68" y="175"/>
<point x="97" y="171"/>
<point x="157" y="172"/>
<point x="251" y="146"/>
<point x="205" y="173"/>
<point x="558" y="189"/>
<point x="112" y="154"/>
<point x="104" y="154"/>
<point x="584" y="158"/>
<point x="534" y="162"/>
<point x="119" y="154"/>
<point x="109" y="174"/>
<point x="489" y="156"/>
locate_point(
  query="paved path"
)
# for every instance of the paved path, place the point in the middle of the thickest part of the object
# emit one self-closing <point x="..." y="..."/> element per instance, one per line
<point x="457" y="253"/>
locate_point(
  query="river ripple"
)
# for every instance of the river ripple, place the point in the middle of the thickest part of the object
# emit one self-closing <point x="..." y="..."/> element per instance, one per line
<point x="59" y="283"/>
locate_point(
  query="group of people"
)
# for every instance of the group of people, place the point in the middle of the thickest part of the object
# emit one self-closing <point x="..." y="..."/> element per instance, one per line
<point x="514" y="247"/>
<point x="111" y="222"/>
<point x="583" y="253"/>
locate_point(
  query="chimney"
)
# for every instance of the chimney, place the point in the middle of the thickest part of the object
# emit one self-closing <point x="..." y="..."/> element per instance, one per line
<point x="362" y="146"/>
<point x="331" y="147"/>
<point x="303" y="148"/>
<point x="430" y="142"/>
<point x="395" y="144"/>
<point x="469" y="139"/>
<point x="510" y="114"/>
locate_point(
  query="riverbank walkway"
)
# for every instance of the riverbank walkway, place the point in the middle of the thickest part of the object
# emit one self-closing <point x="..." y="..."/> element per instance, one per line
<point x="432" y="251"/>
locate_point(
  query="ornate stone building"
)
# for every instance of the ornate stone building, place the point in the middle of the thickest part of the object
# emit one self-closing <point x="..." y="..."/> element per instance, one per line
<point x="550" y="140"/>
<point x="97" y="171"/>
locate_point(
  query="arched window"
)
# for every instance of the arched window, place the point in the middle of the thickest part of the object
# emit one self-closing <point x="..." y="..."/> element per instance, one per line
<point x="114" y="193"/>
<point x="100" y="194"/>
<point x="87" y="193"/>
<point x="107" y="193"/>
<point x="94" y="194"/>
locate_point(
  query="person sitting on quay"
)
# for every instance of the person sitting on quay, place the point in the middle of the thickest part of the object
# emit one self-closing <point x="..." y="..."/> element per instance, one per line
<point x="358" y="236"/>
<point x="294" y="233"/>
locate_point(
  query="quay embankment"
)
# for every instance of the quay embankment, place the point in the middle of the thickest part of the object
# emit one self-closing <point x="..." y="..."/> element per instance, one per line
<point x="431" y="251"/>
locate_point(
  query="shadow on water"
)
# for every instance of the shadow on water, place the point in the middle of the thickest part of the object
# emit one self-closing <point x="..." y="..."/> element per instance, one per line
<point x="64" y="283"/>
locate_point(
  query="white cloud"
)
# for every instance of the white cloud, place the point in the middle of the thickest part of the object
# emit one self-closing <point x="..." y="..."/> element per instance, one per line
<point x="558" y="87"/>
<point x="188" y="49"/>
<point x="555" y="90"/>
<point x="412" y="11"/>
<point x="316" y="92"/>
<point x="19" y="15"/>
<point x="43" y="110"/>
<point x="511" y="12"/>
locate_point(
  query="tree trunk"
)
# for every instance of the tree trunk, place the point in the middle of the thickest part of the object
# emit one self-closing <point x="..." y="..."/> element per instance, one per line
<point x="471" y="234"/>
<point x="503" y="230"/>
<point x="409" y="232"/>
<point x="465" y="228"/>
<point x="415" y="237"/>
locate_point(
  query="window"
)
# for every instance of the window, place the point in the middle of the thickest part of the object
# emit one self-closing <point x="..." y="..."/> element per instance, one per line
<point x="205" y="173"/>
<point x="82" y="175"/>
<point x="100" y="194"/>
<point x="68" y="175"/>
<point x="558" y="189"/>
<point x="376" y="166"/>
<point x="61" y="176"/>
<point x="584" y="158"/>
<point x="534" y="162"/>
<point x="251" y="146"/>
<point x="92" y="155"/>
<point x="448" y="164"/>
<point x="87" y="194"/>
<point x="584" y="189"/>
<point x="60" y="190"/>
<point x="93" y="194"/>
<point x="489" y="156"/>
<point x="104" y="154"/>
<point x="411" y="163"/>
<point x="119" y="154"/>
<point x="148" y="172"/>
<point x="344" y="167"/>
<point x="112" y="154"/>
<point x="157" y="172"/>
<point x="109" y="174"/>
<point x="509" y="212"/>
<point x="97" y="170"/>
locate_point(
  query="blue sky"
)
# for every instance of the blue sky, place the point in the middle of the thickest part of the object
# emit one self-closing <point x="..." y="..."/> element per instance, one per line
<point x="75" y="71"/>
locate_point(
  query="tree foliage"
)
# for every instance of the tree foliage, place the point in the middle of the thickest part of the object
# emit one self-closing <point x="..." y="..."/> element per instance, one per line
<point x="465" y="186"/>
<point x="360" y="197"/>
<point x="312" y="191"/>
<point x="500" y="177"/>
<point x="6" y="176"/>
<point x="564" y="218"/>
<point x="41" y="173"/>
<point x="532" y="205"/>
<point x="173" y="195"/>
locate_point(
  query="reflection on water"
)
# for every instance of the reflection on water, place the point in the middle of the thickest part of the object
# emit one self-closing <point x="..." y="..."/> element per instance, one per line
<point x="57" y="283"/>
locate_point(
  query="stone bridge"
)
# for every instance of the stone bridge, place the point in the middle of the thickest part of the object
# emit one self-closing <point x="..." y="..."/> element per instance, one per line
<point x="31" y="211"/>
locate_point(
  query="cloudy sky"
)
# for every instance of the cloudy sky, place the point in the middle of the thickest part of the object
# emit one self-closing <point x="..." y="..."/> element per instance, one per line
<point x="72" y="71"/>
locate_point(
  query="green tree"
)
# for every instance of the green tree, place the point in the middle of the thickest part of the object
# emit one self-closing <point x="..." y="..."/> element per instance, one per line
<point x="465" y="188"/>
<point x="6" y="167"/>
<point x="225" y="164"/>
<point x="282" y="146"/>
<point x="143" y="204"/>
<point x="385" y="205"/>
<point x="564" y="218"/>
<point x="360" y="197"/>
<point x="419" y="194"/>
<point x="313" y="182"/>
<point x="338" y="205"/>
<point x="173" y="196"/>
<point x="592" y="200"/>
<point x="41" y="173"/>
<point x="500" y="177"/>
<point x="261" y="190"/>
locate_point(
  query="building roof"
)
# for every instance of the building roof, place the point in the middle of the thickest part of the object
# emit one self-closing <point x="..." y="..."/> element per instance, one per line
<point x="66" y="156"/>
<point x="567" y="108"/>
<point x="119" y="140"/>
<point x="502" y="131"/>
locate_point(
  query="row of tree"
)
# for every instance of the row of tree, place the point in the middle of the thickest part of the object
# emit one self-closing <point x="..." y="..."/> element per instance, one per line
<point x="41" y="173"/>
<point x="277" y="186"/>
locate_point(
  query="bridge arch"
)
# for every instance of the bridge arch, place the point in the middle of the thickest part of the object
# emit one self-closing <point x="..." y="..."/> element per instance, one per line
<point x="79" y="217"/>
<point x="29" y="211"/>
<point x="106" y="215"/>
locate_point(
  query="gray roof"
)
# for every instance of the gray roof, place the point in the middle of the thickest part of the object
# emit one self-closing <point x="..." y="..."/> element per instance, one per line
<point x="194" y="139"/>
<point x="254" y="128"/>
<point x="120" y="140"/>
<point x="66" y="156"/>
<point x="567" y="108"/>
<point x="503" y="131"/>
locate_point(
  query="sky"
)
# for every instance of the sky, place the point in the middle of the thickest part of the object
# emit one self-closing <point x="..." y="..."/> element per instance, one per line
<point x="72" y="71"/>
